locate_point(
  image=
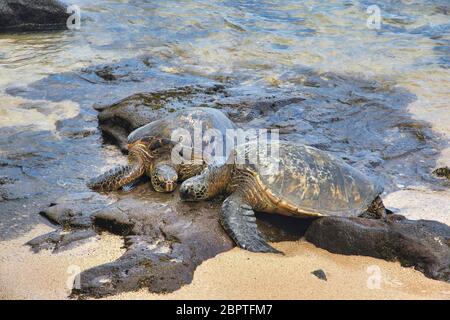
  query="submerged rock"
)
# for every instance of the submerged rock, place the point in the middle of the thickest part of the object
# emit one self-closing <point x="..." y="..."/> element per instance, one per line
<point x="422" y="244"/>
<point x="361" y="121"/>
<point x="32" y="15"/>
<point x="80" y="126"/>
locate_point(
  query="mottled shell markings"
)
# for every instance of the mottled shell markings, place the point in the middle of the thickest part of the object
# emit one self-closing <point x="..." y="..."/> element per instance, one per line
<point x="309" y="181"/>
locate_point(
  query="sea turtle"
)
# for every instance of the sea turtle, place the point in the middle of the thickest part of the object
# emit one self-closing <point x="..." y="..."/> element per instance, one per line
<point x="150" y="149"/>
<point x="294" y="180"/>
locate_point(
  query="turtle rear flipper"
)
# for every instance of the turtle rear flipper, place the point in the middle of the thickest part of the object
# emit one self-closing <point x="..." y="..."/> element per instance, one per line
<point x="239" y="221"/>
<point x="376" y="210"/>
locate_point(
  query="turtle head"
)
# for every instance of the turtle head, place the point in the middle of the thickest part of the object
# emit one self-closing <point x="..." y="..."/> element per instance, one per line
<point x="164" y="178"/>
<point x="195" y="189"/>
<point x="147" y="149"/>
<point x="210" y="183"/>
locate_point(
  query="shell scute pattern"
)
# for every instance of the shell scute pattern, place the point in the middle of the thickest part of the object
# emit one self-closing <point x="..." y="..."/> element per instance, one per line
<point x="196" y="121"/>
<point x="306" y="180"/>
<point x="188" y="119"/>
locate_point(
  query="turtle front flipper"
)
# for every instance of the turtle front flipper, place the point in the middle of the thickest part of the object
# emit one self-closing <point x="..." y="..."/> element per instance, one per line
<point x="115" y="178"/>
<point x="239" y="221"/>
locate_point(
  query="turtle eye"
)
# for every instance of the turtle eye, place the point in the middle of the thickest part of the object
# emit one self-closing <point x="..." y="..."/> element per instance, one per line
<point x="146" y="140"/>
<point x="159" y="143"/>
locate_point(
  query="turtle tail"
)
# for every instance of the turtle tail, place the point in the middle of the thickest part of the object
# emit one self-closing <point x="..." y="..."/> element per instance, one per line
<point x="116" y="178"/>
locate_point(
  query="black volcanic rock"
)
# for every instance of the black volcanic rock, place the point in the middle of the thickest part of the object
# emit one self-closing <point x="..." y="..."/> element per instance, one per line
<point x="422" y="244"/>
<point x="32" y="15"/>
<point x="165" y="239"/>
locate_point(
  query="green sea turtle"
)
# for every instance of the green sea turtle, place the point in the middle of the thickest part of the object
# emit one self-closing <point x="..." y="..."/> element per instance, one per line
<point x="150" y="149"/>
<point x="297" y="180"/>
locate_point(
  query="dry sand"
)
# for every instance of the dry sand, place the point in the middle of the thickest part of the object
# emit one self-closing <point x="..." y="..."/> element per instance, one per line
<point x="25" y="275"/>
<point x="236" y="274"/>
<point x="242" y="275"/>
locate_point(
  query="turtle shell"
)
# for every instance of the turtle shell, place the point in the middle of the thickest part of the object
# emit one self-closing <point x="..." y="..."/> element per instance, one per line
<point x="312" y="181"/>
<point x="195" y="121"/>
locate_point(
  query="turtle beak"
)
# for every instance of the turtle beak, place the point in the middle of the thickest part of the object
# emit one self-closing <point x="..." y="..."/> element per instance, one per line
<point x="169" y="186"/>
<point x="186" y="193"/>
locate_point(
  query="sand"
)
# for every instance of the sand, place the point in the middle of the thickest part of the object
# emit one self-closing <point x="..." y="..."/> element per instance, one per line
<point x="25" y="275"/>
<point x="236" y="274"/>
<point x="241" y="275"/>
<point x="421" y="204"/>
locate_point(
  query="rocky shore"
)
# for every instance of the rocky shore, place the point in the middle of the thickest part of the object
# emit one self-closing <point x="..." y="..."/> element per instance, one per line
<point x="166" y="240"/>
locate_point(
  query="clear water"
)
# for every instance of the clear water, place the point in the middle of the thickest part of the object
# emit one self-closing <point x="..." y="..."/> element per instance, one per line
<point x="253" y="41"/>
<point x="258" y="39"/>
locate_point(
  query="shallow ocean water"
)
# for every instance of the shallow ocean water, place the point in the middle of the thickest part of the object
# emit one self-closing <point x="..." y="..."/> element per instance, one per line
<point x="257" y="39"/>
